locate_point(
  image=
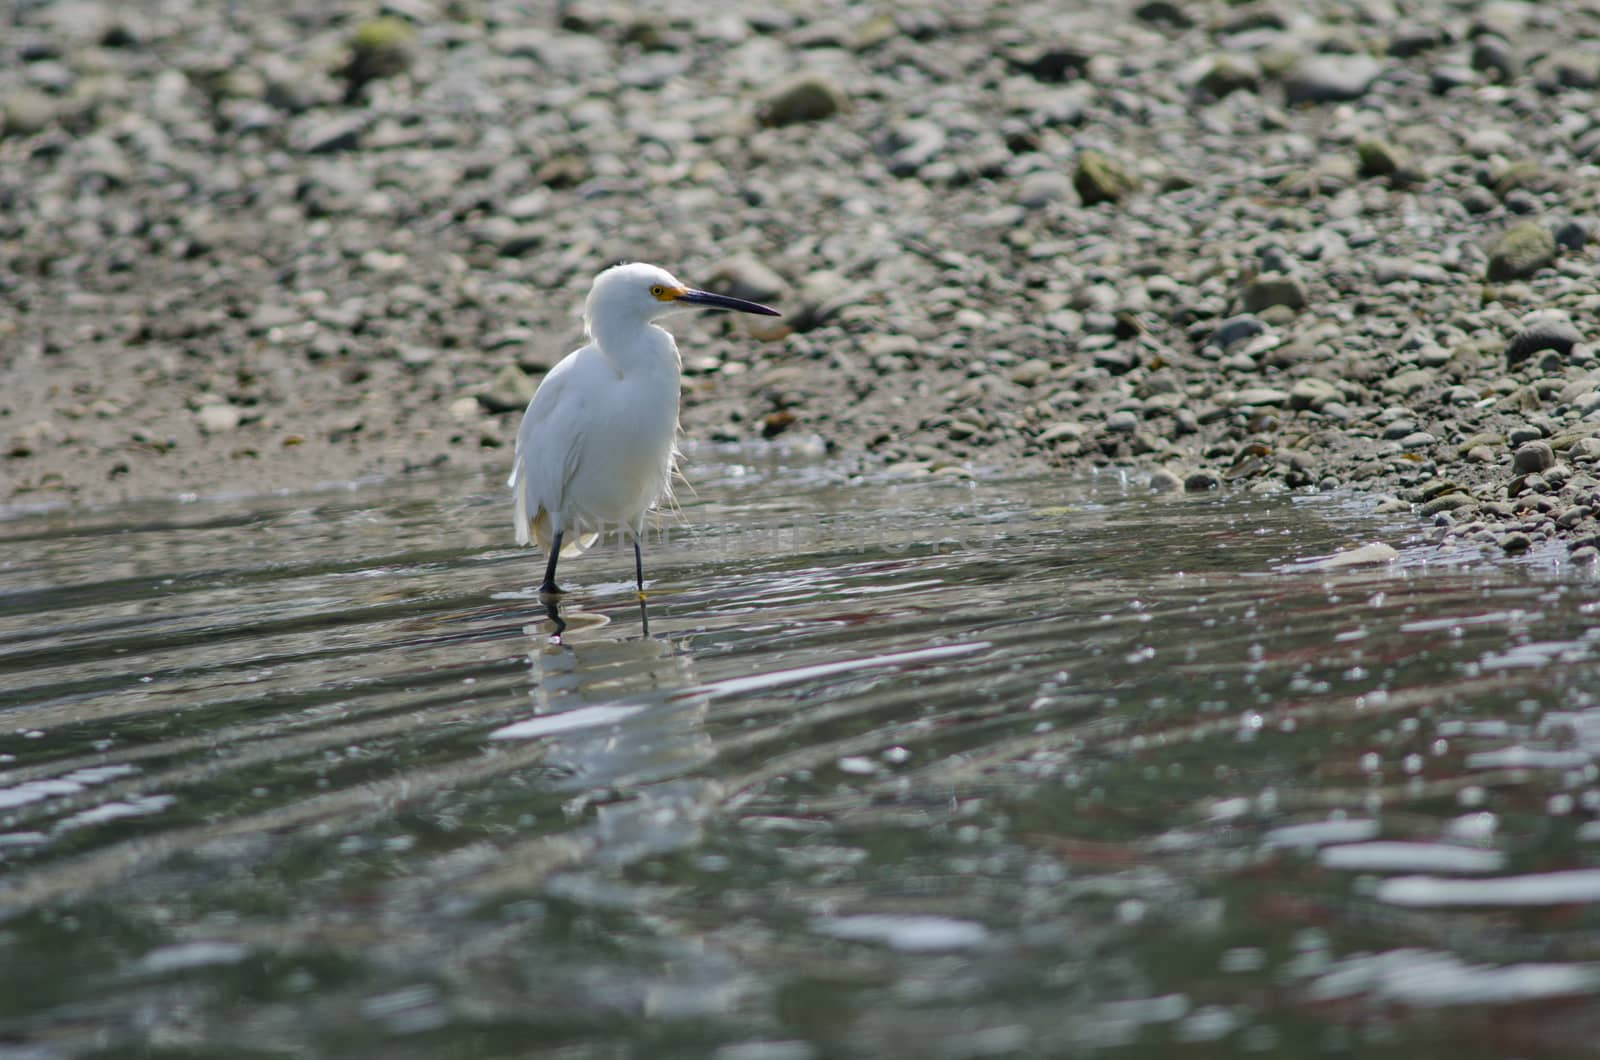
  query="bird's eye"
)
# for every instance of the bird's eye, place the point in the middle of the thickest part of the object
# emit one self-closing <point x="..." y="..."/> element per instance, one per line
<point x="658" y="290"/>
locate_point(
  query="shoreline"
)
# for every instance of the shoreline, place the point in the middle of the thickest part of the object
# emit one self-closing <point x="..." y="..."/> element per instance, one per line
<point x="1233" y="249"/>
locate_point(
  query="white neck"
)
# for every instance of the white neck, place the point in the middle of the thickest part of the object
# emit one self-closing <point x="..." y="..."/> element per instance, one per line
<point x="633" y="349"/>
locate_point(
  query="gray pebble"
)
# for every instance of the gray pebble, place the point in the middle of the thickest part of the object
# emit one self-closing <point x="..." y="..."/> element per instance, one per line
<point x="803" y="98"/>
<point x="1312" y="393"/>
<point x="1516" y="541"/>
<point x="1492" y="55"/>
<point x="1237" y="329"/>
<point x="1572" y="234"/>
<point x="1164" y="481"/>
<point x="1043" y="187"/>
<point x="1543" y="331"/>
<point x="1272" y="289"/>
<point x="1331" y="78"/>
<point x="1123" y="422"/>
<point x="749" y="278"/>
<point x="1522" y="250"/>
<point x="509" y="391"/>
<point x="1532" y="457"/>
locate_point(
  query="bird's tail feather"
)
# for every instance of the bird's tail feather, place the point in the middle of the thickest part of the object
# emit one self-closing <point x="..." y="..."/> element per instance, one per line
<point x="538" y="529"/>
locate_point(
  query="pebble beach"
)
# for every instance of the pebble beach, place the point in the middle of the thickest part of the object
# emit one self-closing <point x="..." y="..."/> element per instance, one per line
<point x="1255" y="246"/>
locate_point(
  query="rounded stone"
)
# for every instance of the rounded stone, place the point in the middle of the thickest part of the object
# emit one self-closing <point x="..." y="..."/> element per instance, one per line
<point x="1331" y="78"/>
<point x="1522" y="250"/>
<point x="1164" y="481"/>
<point x="1123" y="422"/>
<point x="807" y="97"/>
<point x="1532" y="457"/>
<point x="1100" y="178"/>
<point x="1516" y="541"/>
<point x="1542" y="331"/>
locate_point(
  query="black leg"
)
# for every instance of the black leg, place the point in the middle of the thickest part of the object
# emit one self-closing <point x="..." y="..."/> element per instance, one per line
<point x="638" y="566"/>
<point x="553" y="612"/>
<point x="550" y="585"/>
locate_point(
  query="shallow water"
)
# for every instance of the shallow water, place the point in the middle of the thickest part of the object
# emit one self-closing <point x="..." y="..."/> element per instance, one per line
<point x="904" y="767"/>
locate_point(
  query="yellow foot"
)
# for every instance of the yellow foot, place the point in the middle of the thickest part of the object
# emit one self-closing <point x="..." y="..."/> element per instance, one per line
<point x="641" y="595"/>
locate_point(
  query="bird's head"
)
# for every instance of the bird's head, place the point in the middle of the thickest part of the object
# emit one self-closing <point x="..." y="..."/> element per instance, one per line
<point x="638" y="292"/>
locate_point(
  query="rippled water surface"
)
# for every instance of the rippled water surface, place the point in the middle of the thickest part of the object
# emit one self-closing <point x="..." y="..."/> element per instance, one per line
<point x="931" y="767"/>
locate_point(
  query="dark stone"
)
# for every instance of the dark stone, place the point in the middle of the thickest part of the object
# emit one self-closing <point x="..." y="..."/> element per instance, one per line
<point x="1547" y="333"/>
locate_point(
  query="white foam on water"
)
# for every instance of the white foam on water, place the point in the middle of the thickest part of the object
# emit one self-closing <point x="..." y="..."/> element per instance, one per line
<point x="566" y="721"/>
<point x="1322" y="833"/>
<point x="1411" y="857"/>
<point x="915" y="934"/>
<point x="1544" y="888"/>
<point x="1430" y="978"/>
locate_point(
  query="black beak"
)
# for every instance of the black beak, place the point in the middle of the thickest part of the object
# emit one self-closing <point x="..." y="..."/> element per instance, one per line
<point x="722" y="301"/>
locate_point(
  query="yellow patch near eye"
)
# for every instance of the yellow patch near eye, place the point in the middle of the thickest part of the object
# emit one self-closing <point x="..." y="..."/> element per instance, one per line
<point x="667" y="294"/>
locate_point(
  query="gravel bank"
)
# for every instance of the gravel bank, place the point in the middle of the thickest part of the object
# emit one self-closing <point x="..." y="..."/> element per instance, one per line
<point x="1268" y="245"/>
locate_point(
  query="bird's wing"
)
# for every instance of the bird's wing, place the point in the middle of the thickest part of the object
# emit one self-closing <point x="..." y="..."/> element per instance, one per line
<point x="549" y="444"/>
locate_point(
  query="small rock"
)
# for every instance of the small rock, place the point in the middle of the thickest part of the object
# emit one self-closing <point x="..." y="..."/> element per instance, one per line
<point x="748" y="278"/>
<point x="1584" y="451"/>
<point x="25" y="111"/>
<point x="326" y="137"/>
<point x="911" y="145"/>
<point x="1165" y="12"/>
<point x="1447" y="503"/>
<point x="1122" y="422"/>
<point x="1369" y="555"/>
<point x="1571" y="234"/>
<point x="1568" y="68"/>
<point x="509" y="391"/>
<point x="1164" y="481"/>
<point x="1043" y="187"/>
<point x="1516" y="541"/>
<point x="1098" y="178"/>
<point x="1418" y="440"/>
<point x="1272" y="289"/>
<point x="1202" y="481"/>
<point x="379" y="48"/>
<point x="1260" y="395"/>
<point x="1032" y="372"/>
<point x="804" y="98"/>
<point x="1063" y="431"/>
<point x="1540" y="332"/>
<point x="1522" y="250"/>
<point x="217" y="419"/>
<point x="1313" y="394"/>
<point x="1237" y="329"/>
<point x="1574" y="515"/>
<point x="1053" y="64"/>
<point x="1532" y="457"/>
<point x="1492" y="55"/>
<point x="1331" y="78"/>
<point x="1584" y="554"/>
<point x="1379" y="158"/>
<point x="1229" y="73"/>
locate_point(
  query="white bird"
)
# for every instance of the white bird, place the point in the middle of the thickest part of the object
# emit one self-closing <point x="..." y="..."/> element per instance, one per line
<point x="597" y="444"/>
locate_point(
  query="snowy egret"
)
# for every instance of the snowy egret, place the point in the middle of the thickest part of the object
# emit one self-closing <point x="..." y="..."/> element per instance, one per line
<point x="596" y="447"/>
